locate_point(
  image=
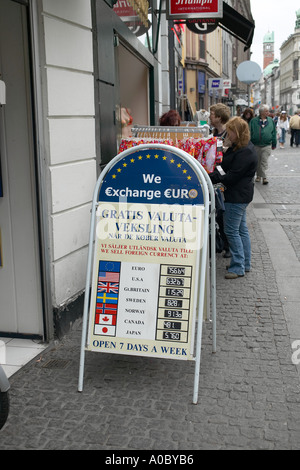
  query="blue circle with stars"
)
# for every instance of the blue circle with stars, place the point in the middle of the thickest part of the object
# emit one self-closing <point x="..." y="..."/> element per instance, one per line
<point x="152" y="176"/>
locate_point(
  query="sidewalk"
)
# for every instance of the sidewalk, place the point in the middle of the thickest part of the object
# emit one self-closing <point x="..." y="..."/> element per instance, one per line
<point x="249" y="390"/>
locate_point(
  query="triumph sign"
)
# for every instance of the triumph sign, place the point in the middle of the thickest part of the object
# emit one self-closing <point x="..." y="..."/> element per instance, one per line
<point x="187" y="9"/>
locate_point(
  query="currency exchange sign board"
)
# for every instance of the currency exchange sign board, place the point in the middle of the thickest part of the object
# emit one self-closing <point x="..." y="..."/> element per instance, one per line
<point x="147" y="242"/>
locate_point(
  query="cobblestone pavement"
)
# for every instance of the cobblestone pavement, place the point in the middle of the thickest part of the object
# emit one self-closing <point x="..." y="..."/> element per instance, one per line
<point x="249" y="390"/>
<point x="283" y="195"/>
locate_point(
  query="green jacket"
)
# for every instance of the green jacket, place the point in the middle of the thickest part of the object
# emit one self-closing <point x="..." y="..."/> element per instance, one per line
<point x="263" y="136"/>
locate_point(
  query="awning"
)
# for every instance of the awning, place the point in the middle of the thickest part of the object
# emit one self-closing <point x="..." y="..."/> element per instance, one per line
<point x="237" y="25"/>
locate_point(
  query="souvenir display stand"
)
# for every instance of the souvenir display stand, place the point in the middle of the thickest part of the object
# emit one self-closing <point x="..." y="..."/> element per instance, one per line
<point x="174" y="133"/>
<point x="196" y="141"/>
<point x="148" y="258"/>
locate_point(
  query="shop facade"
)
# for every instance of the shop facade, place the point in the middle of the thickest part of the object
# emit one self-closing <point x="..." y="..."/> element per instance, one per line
<point x="74" y="74"/>
<point x="67" y="68"/>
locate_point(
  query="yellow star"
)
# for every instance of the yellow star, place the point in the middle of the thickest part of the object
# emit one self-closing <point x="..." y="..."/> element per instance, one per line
<point x="119" y="170"/>
<point x="164" y="158"/>
<point x="184" y="171"/>
<point x="114" y="176"/>
<point x="125" y="165"/>
<point x="132" y="160"/>
<point x="156" y="156"/>
<point x="140" y="157"/>
<point x="172" y="161"/>
<point x="189" y="177"/>
<point x="179" y="165"/>
<point x="148" y="156"/>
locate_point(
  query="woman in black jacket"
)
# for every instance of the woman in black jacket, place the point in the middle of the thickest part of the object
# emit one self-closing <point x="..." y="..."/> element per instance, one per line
<point x="237" y="173"/>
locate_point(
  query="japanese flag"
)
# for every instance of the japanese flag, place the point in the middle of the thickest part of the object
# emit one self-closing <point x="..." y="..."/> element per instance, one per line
<point x="104" y="330"/>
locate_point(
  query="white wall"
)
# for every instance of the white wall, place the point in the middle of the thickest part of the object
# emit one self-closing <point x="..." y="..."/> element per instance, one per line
<point x="163" y="67"/>
<point x="68" y="89"/>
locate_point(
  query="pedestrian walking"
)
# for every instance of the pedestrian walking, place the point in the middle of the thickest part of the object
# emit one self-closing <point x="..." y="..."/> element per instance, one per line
<point x="219" y="116"/>
<point x="236" y="173"/>
<point x="295" y="129"/>
<point x="263" y="136"/>
<point x="248" y="115"/>
<point x="282" y="128"/>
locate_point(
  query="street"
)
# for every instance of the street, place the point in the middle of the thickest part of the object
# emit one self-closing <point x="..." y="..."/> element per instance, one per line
<point x="249" y="390"/>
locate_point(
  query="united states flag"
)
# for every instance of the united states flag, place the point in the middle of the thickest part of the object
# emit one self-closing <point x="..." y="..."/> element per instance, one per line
<point x="108" y="277"/>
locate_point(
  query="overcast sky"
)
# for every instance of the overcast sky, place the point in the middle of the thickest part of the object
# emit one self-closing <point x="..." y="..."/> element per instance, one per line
<point x="272" y="15"/>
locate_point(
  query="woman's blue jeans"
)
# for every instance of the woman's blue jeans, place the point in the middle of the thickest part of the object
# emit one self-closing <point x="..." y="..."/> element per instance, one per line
<point x="282" y="136"/>
<point x="236" y="230"/>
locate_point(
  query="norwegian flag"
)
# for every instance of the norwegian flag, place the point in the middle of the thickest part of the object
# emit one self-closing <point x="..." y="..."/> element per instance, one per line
<point x="108" y="309"/>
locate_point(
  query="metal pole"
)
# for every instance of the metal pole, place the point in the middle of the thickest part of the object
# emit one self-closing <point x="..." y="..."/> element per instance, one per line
<point x="87" y="291"/>
<point x="213" y="257"/>
<point x="201" y="297"/>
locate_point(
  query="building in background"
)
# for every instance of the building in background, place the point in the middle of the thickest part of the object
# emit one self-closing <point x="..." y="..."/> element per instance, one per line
<point x="279" y="86"/>
<point x="289" y="70"/>
<point x="215" y="53"/>
<point x="268" y="49"/>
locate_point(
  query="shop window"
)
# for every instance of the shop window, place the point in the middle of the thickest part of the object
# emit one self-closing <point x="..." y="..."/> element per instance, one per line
<point x="296" y="70"/>
<point x="202" y="49"/>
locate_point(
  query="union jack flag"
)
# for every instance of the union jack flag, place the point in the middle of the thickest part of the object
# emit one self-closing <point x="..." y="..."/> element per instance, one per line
<point x="108" y="286"/>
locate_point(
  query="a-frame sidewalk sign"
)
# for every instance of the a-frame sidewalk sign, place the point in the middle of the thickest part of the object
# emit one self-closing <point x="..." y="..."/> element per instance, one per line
<point x="148" y="258"/>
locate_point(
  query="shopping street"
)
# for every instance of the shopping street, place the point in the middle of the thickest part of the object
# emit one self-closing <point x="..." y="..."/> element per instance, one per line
<point x="249" y="390"/>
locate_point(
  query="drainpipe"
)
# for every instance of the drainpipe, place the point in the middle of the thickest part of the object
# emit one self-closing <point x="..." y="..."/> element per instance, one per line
<point x="171" y="64"/>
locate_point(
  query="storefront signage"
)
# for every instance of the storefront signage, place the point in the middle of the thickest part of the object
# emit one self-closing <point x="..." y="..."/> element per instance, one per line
<point x="202" y="25"/>
<point x="215" y="83"/>
<point x="226" y="83"/>
<point x="131" y="9"/>
<point x="185" y="9"/>
<point x="123" y="8"/>
<point x="150" y="226"/>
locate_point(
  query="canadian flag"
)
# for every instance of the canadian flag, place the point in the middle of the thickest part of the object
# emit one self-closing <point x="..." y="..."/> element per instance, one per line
<point x="104" y="319"/>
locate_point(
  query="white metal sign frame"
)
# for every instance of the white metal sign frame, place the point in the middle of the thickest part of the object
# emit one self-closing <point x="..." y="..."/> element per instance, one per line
<point x="209" y="213"/>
